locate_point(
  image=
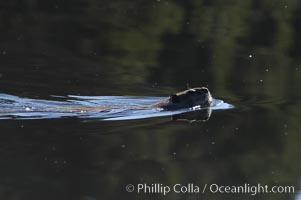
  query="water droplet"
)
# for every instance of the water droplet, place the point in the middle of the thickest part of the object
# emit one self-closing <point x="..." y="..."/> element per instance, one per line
<point x="213" y="142"/>
<point x="261" y="80"/>
<point x="3" y="52"/>
<point x="174" y="153"/>
<point x="266" y="69"/>
<point x="236" y="128"/>
<point x="250" y="56"/>
<point x="123" y="146"/>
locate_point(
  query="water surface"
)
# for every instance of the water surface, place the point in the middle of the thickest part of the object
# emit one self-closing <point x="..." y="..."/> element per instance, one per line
<point x="13" y="107"/>
<point x="136" y="52"/>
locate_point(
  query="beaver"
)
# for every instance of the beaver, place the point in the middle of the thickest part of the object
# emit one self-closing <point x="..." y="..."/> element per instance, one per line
<point x="186" y="99"/>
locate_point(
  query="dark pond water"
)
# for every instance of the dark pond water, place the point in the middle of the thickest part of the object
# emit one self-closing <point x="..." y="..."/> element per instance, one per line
<point x="248" y="53"/>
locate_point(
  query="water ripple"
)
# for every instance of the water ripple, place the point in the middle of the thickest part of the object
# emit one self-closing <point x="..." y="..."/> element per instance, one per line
<point x="14" y="107"/>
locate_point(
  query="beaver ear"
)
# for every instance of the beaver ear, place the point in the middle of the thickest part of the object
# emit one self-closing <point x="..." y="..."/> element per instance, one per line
<point x="174" y="98"/>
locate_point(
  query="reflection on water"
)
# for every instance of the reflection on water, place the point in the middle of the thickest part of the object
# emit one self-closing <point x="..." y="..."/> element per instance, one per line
<point x="13" y="107"/>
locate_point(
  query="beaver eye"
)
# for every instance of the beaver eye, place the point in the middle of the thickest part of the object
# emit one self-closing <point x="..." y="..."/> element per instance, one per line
<point x="205" y="91"/>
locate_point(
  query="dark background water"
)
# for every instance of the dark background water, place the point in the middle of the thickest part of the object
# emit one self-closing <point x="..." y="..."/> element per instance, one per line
<point x="247" y="52"/>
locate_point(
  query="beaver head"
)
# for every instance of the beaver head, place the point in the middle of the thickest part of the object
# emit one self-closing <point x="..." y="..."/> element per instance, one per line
<point x="189" y="98"/>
